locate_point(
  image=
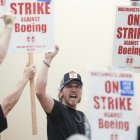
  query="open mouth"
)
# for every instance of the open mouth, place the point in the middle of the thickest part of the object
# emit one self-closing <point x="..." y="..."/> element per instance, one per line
<point x="73" y="96"/>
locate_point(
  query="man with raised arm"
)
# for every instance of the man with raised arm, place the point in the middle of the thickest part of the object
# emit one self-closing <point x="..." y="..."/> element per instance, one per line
<point x="63" y="118"/>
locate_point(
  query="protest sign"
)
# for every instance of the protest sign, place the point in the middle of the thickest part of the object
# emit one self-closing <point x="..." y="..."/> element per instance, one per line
<point x="33" y="30"/>
<point x="111" y="101"/>
<point x="126" y="46"/>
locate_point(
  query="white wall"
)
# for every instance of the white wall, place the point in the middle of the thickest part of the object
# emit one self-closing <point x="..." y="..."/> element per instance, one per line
<point x="84" y="33"/>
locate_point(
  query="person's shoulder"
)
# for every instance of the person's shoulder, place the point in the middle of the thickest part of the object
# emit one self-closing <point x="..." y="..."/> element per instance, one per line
<point x="80" y="111"/>
<point x="58" y="104"/>
<point x="1" y="111"/>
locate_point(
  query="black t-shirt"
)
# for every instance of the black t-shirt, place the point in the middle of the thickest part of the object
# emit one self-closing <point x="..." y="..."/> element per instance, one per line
<point x="3" y="121"/>
<point x="64" y="122"/>
<point x="138" y="132"/>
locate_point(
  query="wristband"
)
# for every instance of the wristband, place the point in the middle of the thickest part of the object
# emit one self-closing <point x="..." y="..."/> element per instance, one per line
<point x="46" y="63"/>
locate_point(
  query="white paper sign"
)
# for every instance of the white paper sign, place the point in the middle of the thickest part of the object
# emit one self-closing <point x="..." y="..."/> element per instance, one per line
<point x="33" y="30"/>
<point x="111" y="98"/>
<point x="126" y="46"/>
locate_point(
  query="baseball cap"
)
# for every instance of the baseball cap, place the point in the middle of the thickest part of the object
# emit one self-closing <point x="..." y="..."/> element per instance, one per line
<point x="71" y="77"/>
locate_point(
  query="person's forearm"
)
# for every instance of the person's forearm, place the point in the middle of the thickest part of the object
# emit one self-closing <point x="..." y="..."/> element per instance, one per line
<point x="4" y="42"/>
<point x="41" y="82"/>
<point x="10" y="101"/>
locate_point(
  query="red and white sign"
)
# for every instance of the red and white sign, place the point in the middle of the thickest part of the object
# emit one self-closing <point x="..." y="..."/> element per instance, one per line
<point x="111" y="101"/>
<point x="126" y="46"/>
<point x="33" y="29"/>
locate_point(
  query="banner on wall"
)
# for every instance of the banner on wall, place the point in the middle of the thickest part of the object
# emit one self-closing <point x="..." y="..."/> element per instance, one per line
<point x="126" y="46"/>
<point x="33" y="30"/>
<point x="111" y="101"/>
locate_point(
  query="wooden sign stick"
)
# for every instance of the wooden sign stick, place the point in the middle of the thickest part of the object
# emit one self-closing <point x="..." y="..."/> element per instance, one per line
<point x="32" y="93"/>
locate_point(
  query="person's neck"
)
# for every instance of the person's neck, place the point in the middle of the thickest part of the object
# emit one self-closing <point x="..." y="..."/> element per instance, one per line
<point x="72" y="107"/>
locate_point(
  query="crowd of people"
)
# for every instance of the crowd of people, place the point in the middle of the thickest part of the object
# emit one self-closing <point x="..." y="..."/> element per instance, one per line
<point x="63" y="118"/>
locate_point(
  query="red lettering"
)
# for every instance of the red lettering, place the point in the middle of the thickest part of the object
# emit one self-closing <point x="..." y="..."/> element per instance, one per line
<point x="130" y="33"/>
<point x="119" y="31"/>
<point x="30" y="28"/>
<point x="111" y="87"/>
<point x="107" y="87"/>
<point x="20" y="8"/>
<point x="30" y="8"/>
<point x="13" y="7"/>
<point x="113" y="124"/>
<point x="97" y="105"/>
<point x="103" y="102"/>
<point x="129" y="104"/>
<point x="133" y="19"/>
<point x="110" y="103"/>
<point x="129" y="50"/>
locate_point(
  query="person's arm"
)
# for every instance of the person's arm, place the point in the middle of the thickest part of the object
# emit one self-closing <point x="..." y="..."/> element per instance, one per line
<point x="6" y="34"/>
<point x="45" y="100"/>
<point x="10" y="101"/>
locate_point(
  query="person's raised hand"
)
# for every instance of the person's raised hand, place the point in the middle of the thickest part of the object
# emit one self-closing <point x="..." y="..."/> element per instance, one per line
<point x="50" y="55"/>
<point x="9" y="19"/>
